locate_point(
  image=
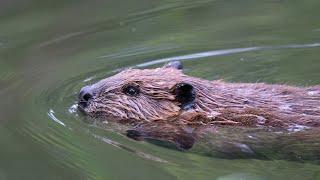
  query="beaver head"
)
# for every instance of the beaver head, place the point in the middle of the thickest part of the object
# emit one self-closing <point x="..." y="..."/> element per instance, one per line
<point x="136" y="95"/>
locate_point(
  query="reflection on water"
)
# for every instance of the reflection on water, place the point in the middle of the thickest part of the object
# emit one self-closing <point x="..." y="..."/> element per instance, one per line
<point x="118" y="145"/>
<point x="49" y="50"/>
<point x="51" y="115"/>
<point x="226" y="52"/>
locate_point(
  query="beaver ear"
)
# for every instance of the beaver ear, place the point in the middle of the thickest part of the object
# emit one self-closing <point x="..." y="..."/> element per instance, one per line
<point x="185" y="95"/>
<point x="174" y="64"/>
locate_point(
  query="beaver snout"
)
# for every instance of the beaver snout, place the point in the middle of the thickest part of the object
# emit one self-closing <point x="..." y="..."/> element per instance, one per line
<point x="84" y="96"/>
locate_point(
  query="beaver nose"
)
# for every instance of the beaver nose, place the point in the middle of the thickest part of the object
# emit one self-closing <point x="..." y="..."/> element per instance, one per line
<point x="85" y="95"/>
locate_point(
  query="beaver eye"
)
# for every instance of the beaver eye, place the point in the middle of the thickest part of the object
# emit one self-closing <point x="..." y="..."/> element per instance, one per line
<point x="131" y="90"/>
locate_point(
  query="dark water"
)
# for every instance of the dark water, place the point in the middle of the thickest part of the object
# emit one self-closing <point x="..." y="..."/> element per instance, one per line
<point x="50" y="49"/>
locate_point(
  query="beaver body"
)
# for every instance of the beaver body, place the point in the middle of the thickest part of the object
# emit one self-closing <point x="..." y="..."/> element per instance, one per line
<point x="165" y="104"/>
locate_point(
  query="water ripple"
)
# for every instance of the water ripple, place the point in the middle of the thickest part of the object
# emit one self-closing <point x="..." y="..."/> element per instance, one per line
<point x="121" y="146"/>
<point x="227" y="52"/>
<point x="137" y="51"/>
<point x="54" y="118"/>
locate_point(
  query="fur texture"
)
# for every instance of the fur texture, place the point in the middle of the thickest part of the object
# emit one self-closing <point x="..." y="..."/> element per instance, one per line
<point x="157" y="113"/>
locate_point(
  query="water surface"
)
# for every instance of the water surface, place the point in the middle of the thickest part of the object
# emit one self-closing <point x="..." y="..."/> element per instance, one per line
<point x="50" y="49"/>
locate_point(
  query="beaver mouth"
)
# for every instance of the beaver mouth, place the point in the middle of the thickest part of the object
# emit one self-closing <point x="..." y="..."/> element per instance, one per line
<point x="82" y="106"/>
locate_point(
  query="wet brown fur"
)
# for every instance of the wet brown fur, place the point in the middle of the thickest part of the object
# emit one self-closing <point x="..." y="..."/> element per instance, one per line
<point x="156" y="113"/>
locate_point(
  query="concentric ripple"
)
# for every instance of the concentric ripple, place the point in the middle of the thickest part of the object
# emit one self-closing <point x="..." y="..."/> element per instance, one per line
<point x="48" y="51"/>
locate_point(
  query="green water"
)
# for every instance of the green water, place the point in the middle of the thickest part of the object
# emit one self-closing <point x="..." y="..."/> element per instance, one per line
<point x="50" y="49"/>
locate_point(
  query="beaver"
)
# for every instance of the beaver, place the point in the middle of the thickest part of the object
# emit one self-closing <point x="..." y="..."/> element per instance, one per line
<point x="165" y="104"/>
